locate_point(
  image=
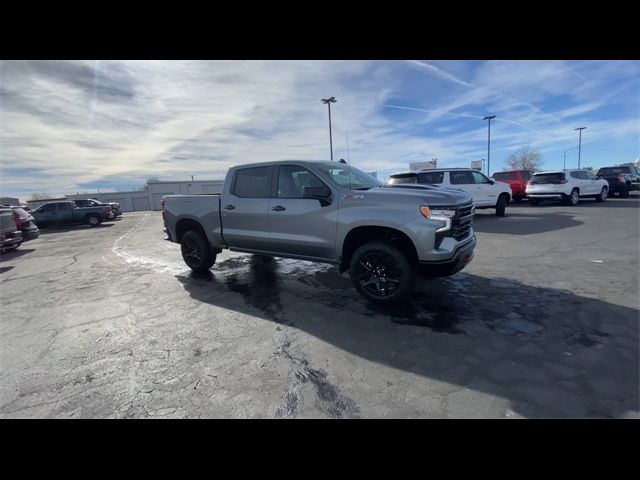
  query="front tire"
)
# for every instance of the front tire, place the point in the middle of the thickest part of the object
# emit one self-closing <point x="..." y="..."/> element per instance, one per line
<point x="381" y="273"/>
<point x="501" y="205"/>
<point x="196" y="252"/>
<point x="603" y="195"/>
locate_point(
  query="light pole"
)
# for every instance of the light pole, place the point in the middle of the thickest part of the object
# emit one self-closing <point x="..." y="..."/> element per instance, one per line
<point x="489" y="144"/>
<point x="579" y="143"/>
<point x="328" y="102"/>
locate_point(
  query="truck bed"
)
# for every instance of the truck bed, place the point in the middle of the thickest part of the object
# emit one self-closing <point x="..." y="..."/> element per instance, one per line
<point x="204" y="209"/>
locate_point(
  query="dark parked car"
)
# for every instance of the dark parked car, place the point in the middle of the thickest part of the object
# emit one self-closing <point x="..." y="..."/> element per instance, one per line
<point x="26" y="224"/>
<point x="59" y="213"/>
<point x="116" y="211"/>
<point x="10" y="235"/>
<point x="622" y="179"/>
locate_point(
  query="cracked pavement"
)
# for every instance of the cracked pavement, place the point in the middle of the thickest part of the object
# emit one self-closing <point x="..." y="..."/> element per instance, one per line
<point x="109" y="323"/>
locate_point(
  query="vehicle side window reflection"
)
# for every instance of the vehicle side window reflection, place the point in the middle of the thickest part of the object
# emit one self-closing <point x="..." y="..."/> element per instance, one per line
<point x="460" y="178"/>
<point x="292" y="179"/>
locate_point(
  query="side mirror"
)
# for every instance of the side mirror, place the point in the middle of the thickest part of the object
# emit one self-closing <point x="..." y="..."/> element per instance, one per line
<point x="322" y="193"/>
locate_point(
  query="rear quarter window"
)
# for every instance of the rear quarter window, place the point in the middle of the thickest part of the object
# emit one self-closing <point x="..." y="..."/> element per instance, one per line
<point x="431" y="177"/>
<point x="547" y="177"/>
<point x="506" y="176"/>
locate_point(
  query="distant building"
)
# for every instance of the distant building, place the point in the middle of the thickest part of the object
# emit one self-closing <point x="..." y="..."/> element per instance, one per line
<point x="9" y="201"/>
<point x="149" y="198"/>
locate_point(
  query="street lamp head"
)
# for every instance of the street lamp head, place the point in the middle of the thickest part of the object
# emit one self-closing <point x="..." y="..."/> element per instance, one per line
<point x="580" y="128"/>
<point x="329" y="100"/>
<point x="489" y="117"/>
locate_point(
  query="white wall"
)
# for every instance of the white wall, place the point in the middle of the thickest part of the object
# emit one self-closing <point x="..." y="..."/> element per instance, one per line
<point x="154" y="193"/>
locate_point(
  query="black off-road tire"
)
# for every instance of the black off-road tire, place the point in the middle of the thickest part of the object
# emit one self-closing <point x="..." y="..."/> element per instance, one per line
<point x="378" y="287"/>
<point x="196" y="251"/>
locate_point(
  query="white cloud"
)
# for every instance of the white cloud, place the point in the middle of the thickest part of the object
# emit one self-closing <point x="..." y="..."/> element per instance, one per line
<point x="68" y="124"/>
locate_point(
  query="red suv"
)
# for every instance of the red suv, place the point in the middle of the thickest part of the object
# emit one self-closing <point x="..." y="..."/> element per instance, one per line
<point x="517" y="180"/>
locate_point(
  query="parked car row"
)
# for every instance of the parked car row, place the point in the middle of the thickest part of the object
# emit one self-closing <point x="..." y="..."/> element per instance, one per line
<point x="20" y="225"/>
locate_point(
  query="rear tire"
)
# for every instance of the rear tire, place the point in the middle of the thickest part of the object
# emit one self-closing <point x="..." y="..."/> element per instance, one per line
<point x="517" y="199"/>
<point x="381" y="273"/>
<point x="501" y="205"/>
<point x="94" y="220"/>
<point x="603" y="195"/>
<point x="196" y="251"/>
<point x="573" y="198"/>
<point x="624" y="193"/>
<point x="533" y="202"/>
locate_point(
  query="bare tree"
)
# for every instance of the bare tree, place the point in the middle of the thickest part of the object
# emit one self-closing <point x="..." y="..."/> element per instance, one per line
<point x="525" y="159"/>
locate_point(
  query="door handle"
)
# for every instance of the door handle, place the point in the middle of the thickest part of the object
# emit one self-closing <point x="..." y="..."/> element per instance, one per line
<point x="278" y="208"/>
<point x="229" y="207"/>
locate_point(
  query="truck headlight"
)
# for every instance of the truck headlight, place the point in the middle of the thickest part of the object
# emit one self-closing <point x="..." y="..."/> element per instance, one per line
<point x="439" y="214"/>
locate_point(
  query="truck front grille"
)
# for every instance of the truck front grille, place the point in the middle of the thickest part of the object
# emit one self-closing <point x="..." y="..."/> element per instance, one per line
<point x="461" y="224"/>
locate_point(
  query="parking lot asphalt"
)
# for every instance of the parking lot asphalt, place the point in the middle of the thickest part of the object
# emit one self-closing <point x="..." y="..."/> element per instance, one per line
<point x="109" y="322"/>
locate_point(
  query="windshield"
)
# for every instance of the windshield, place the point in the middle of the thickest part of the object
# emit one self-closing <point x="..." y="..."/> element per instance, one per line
<point x="358" y="181"/>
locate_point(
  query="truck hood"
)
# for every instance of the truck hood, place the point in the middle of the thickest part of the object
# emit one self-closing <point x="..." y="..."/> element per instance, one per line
<point x="430" y="194"/>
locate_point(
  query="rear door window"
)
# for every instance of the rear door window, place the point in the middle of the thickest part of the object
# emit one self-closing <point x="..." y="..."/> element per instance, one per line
<point x="253" y="182"/>
<point x="461" y="178"/>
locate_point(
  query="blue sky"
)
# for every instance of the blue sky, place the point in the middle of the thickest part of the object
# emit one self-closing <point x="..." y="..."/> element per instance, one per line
<point x="80" y="126"/>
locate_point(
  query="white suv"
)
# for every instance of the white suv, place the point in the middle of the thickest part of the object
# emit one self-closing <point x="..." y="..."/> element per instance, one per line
<point x="486" y="192"/>
<point x="566" y="185"/>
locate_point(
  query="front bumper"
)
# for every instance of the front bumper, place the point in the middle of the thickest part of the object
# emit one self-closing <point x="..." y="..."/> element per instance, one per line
<point x="461" y="258"/>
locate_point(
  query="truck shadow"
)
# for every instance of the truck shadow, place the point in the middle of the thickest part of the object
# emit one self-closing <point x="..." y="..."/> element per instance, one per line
<point x="549" y="352"/>
<point x="519" y="223"/>
<point x="68" y="228"/>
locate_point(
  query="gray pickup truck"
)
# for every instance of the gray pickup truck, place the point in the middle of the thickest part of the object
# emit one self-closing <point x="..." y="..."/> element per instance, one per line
<point x="328" y="212"/>
<point x="60" y="213"/>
